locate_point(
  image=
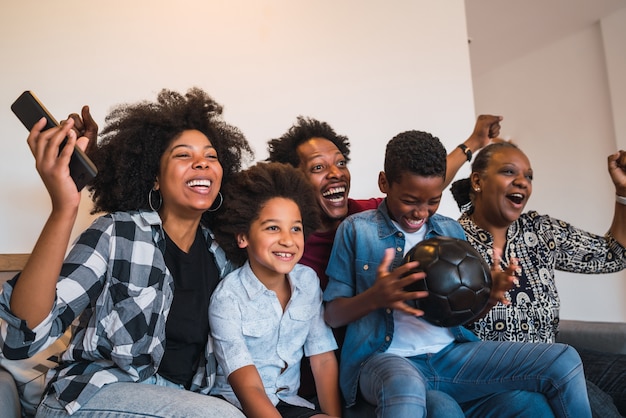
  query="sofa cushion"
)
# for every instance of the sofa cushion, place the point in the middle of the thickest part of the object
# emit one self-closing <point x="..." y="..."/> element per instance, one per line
<point x="593" y="335"/>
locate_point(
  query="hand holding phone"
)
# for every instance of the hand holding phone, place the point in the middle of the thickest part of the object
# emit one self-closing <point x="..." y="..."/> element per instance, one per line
<point x="29" y="111"/>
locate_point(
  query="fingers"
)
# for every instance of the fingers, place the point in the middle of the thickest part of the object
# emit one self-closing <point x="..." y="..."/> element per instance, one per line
<point x="503" y="280"/>
<point x="389" y="287"/>
<point x="46" y="145"/>
<point x="617" y="171"/>
<point x="489" y="121"/>
<point x="487" y="127"/>
<point x="90" y="125"/>
<point x="401" y="306"/>
<point x="33" y="135"/>
<point x="85" y="125"/>
<point x="383" y="268"/>
<point x="618" y="157"/>
<point x="494" y="129"/>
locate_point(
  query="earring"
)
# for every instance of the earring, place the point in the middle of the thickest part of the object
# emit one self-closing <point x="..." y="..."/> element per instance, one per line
<point x="150" y="200"/>
<point x="219" y="205"/>
<point x="477" y="189"/>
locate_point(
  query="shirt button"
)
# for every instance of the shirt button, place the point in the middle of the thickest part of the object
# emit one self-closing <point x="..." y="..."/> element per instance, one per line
<point x="387" y="338"/>
<point x="399" y="249"/>
<point x="388" y="310"/>
<point x="366" y="267"/>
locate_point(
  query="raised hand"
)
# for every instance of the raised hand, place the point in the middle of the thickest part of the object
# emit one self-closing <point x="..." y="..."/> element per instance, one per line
<point x="85" y="125"/>
<point x="617" y="170"/>
<point x="388" y="290"/>
<point x="487" y="127"/>
<point x="52" y="165"/>
<point x="502" y="280"/>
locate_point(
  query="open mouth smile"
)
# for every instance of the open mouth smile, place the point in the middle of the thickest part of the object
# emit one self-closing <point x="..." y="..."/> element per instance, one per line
<point x="516" y="198"/>
<point x="335" y="194"/>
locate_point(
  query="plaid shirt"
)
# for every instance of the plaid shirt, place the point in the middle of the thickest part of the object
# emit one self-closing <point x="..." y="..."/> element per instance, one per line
<point x="115" y="278"/>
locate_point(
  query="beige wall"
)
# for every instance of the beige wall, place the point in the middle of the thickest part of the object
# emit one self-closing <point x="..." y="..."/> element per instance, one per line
<point x="564" y="105"/>
<point x="369" y="69"/>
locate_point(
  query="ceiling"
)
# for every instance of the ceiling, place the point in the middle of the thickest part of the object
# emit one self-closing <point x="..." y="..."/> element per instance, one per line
<point x="502" y="30"/>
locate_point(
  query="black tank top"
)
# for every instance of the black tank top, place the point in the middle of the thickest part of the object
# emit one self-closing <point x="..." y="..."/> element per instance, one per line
<point x="187" y="328"/>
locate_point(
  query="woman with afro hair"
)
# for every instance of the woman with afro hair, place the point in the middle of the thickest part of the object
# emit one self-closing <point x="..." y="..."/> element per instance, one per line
<point x="139" y="278"/>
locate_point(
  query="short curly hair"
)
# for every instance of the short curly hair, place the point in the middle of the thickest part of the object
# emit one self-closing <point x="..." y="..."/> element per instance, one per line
<point x="249" y="190"/>
<point x="135" y="137"/>
<point x="284" y="149"/>
<point x="417" y="152"/>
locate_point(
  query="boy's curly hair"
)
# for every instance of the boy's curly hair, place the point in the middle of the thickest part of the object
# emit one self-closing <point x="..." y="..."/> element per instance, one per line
<point x="250" y="190"/>
<point x="417" y="152"/>
<point x="135" y="137"/>
<point x="284" y="149"/>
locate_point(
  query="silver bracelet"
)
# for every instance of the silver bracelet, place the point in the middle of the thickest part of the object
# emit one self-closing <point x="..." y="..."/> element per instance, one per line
<point x="620" y="199"/>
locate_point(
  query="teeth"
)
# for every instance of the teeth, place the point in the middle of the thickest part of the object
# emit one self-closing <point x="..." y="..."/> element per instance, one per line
<point x="334" y="190"/>
<point x="205" y="183"/>
<point x="516" y="198"/>
<point x="283" y="255"/>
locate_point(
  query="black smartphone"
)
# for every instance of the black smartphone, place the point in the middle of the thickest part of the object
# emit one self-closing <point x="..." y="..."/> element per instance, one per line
<point x="29" y="110"/>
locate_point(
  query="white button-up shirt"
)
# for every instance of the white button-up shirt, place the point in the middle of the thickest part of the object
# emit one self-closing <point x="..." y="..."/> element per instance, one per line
<point x="249" y="327"/>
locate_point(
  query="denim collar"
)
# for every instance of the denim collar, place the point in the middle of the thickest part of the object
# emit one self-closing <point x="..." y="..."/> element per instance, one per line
<point x="386" y="228"/>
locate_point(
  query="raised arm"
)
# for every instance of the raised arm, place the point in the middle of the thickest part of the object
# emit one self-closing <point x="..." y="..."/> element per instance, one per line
<point x="486" y="128"/>
<point x="617" y="170"/>
<point x="387" y="292"/>
<point x="34" y="292"/>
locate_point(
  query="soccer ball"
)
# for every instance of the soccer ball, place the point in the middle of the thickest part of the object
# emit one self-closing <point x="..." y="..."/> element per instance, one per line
<point x="458" y="280"/>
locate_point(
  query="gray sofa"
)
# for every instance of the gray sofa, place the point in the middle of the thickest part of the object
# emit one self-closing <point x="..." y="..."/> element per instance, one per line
<point x="594" y="335"/>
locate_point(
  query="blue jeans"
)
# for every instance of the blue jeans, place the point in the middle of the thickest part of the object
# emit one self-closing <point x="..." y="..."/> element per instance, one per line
<point x="510" y="404"/>
<point x="473" y="370"/>
<point x="158" y="398"/>
<point x="9" y="399"/>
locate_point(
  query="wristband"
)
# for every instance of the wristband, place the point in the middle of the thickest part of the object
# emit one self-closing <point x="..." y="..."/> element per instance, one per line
<point x="468" y="154"/>
<point x="620" y="199"/>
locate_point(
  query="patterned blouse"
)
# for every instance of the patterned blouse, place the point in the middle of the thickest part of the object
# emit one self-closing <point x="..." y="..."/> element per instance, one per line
<point x="542" y="244"/>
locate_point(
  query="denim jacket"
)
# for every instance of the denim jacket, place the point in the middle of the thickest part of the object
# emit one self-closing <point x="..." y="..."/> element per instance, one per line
<point x="359" y="246"/>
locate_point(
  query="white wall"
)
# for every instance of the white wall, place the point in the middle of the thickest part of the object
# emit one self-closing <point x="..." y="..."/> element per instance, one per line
<point x="370" y="68"/>
<point x="614" y="37"/>
<point x="556" y="103"/>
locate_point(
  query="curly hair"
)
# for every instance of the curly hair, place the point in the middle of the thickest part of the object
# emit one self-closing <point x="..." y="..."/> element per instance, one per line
<point x="284" y="149"/>
<point x="462" y="189"/>
<point x="417" y="152"/>
<point x="135" y="137"/>
<point x="250" y="190"/>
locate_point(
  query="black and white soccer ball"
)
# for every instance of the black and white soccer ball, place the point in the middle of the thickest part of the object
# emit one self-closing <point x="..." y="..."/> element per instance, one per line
<point x="458" y="280"/>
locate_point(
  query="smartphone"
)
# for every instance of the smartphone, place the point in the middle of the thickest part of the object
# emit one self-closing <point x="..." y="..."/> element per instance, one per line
<point x="29" y="110"/>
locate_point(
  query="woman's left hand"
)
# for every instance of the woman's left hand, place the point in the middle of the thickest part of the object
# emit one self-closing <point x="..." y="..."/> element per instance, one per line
<point x="502" y="280"/>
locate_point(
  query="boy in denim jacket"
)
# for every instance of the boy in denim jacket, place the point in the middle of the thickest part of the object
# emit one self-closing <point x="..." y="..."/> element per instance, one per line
<point x="391" y="356"/>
